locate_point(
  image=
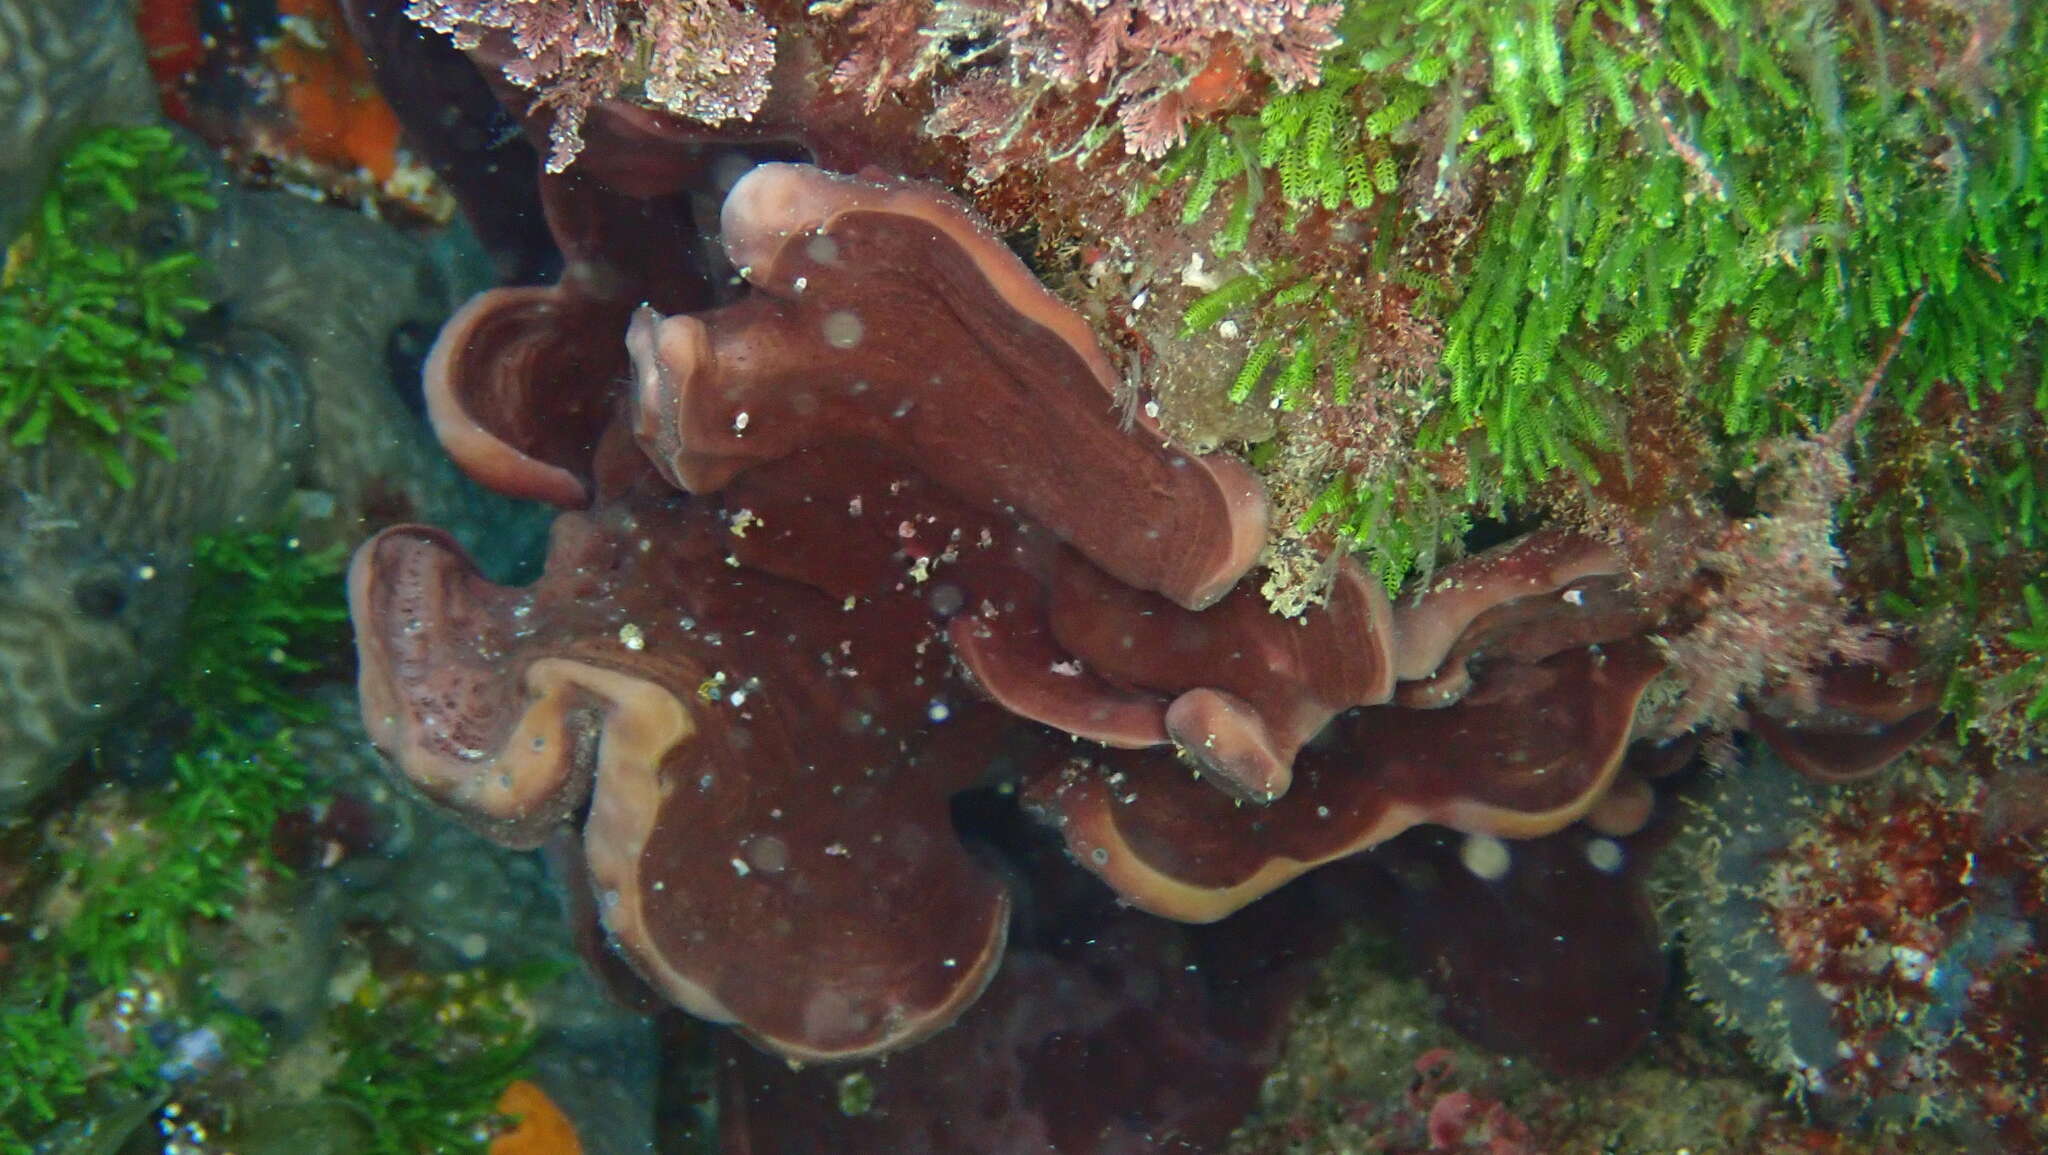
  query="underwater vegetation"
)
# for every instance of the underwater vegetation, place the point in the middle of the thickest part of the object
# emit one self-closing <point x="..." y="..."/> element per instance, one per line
<point x="106" y="1016"/>
<point x="96" y="296"/>
<point x="146" y="832"/>
<point x="296" y="408"/>
<point x="1877" y="946"/>
<point x="1668" y="281"/>
<point x="1729" y="205"/>
<point x="1063" y="515"/>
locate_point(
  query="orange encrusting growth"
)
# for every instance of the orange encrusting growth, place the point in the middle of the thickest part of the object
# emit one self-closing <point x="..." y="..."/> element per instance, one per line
<point x="1220" y="85"/>
<point x="331" y="113"/>
<point x="337" y="115"/>
<point x="176" y="49"/>
<point x="542" y="1128"/>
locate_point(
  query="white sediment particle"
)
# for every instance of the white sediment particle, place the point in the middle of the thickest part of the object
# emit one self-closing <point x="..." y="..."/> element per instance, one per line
<point x="843" y="329"/>
<point x="1485" y="856"/>
<point x="1914" y="964"/>
<point x="1604" y="854"/>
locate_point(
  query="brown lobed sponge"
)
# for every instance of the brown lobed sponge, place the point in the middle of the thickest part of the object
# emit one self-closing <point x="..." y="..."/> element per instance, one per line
<point x="827" y="544"/>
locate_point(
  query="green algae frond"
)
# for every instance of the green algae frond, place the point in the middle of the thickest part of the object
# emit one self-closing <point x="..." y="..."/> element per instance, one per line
<point x="97" y="292"/>
<point x="267" y="612"/>
<point x="428" y="1055"/>
<point x="421" y="1058"/>
<point x="1733" y="203"/>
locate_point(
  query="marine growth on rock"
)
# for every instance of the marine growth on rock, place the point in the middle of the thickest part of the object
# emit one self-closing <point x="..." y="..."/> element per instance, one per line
<point x="1062" y="513"/>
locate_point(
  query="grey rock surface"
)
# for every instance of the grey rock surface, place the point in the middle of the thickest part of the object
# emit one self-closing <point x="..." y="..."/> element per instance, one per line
<point x="298" y="417"/>
<point x="458" y="902"/>
<point x="65" y="65"/>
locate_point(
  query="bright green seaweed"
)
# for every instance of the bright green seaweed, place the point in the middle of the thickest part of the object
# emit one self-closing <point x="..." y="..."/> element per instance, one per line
<point x="98" y="290"/>
<point x="1740" y="199"/>
<point x="269" y="616"/>
<point x="1736" y="205"/>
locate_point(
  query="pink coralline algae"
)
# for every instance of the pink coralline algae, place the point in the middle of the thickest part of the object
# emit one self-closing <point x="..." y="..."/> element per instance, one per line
<point x="707" y="60"/>
<point x="1156" y="65"/>
<point x="1881" y="947"/>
